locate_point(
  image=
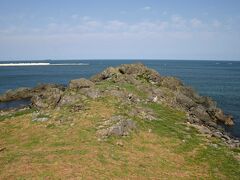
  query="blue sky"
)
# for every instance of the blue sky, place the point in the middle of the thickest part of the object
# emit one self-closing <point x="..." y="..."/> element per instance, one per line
<point x="120" y="29"/>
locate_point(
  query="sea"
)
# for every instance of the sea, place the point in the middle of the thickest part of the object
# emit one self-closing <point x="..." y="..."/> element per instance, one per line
<point x="217" y="79"/>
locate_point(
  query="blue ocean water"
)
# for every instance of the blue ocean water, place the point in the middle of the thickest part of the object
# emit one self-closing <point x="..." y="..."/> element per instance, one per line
<point x="217" y="79"/>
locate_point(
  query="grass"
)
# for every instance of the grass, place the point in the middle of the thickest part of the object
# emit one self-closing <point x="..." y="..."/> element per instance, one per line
<point x="132" y="89"/>
<point x="50" y="150"/>
<point x="16" y="114"/>
<point x="105" y="84"/>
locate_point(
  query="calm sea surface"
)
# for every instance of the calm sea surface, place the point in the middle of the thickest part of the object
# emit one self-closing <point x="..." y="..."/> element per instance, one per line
<point x="217" y="79"/>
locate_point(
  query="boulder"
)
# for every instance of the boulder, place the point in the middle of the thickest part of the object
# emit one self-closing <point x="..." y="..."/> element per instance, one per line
<point x="43" y="87"/>
<point x="137" y="70"/>
<point x="116" y="126"/>
<point x="218" y="115"/>
<point x="133" y="69"/>
<point x="228" y="120"/>
<point x="201" y="113"/>
<point x="208" y="103"/>
<point x="20" y="93"/>
<point x="106" y="74"/>
<point x="80" y="83"/>
<point x="24" y="93"/>
<point x="68" y="100"/>
<point x="184" y="101"/>
<point x="141" y="71"/>
<point x="47" y="99"/>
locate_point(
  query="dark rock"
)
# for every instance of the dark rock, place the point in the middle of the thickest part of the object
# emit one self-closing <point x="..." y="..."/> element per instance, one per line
<point x="106" y="74"/>
<point x="218" y="115"/>
<point x="226" y="137"/>
<point x="212" y="124"/>
<point x="132" y="69"/>
<point x="20" y="93"/>
<point x="201" y="113"/>
<point x="48" y="99"/>
<point x="208" y="102"/>
<point x="184" y="101"/>
<point x="69" y="99"/>
<point x="24" y="93"/>
<point x="43" y="87"/>
<point x="80" y="83"/>
<point x="124" y="71"/>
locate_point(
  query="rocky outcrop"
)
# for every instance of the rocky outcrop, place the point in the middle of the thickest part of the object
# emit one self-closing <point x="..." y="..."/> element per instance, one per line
<point x="80" y="83"/>
<point x="47" y="99"/>
<point x="169" y="90"/>
<point x="20" y="93"/>
<point x="116" y="126"/>
<point x="146" y="86"/>
<point x="24" y="93"/>
<point x="143" y="113"/>
<point x="135" y="71"/>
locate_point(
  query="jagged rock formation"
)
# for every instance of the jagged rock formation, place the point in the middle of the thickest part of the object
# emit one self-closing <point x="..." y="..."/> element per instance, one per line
<point x="149" y="87"/>
<point x="117" y="126"/>
<point x="167" y="90"/>
<point x="24" y="93"/>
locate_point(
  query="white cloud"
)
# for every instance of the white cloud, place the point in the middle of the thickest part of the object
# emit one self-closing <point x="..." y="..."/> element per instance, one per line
<point x="178" y="22"/>
<point x="216" y="24"/>
<point x="87" y="25"/>
<point x="196" y="23"/>
<point x="93" y="38"/>
<point x="147" y="8"/>
<point x="86" y="18"/>
<point x="115" y="26"/>
<point x="148" y="27"/>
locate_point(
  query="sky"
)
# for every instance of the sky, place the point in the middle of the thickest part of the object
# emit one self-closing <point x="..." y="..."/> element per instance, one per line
<point x="120" y="29"/>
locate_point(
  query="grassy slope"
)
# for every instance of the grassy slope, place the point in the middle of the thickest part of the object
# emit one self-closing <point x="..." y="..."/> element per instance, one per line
<point x="164" y="148"/>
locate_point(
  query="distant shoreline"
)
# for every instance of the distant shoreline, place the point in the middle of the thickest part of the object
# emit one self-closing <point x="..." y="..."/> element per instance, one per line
<point x="108" y="59"/>
<point x="41" y="64"/>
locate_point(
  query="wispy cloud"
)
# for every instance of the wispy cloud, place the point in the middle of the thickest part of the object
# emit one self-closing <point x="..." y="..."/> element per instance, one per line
<point x="196" y="23"/>
<point x="216" y="24"/>
<point x="86" y="24"/>
<point x="147" y="8"/>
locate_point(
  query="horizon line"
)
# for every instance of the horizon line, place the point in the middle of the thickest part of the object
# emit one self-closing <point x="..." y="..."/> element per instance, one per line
<point x="124" y="59"/>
